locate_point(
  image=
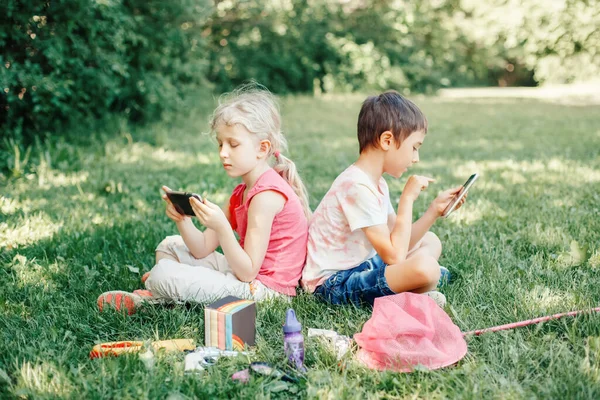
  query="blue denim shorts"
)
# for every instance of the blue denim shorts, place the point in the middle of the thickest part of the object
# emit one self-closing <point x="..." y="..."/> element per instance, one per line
<point x="359" y="285"/>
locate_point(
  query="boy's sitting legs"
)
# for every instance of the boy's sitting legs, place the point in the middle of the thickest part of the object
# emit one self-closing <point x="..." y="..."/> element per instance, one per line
<point x="361" y="284"/>
<point x="373" y="278"/>
<point x="430" y="244"/>
<point x="419" y="273"/>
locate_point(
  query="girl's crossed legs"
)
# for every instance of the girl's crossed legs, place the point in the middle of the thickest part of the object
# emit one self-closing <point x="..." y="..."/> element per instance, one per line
<point x="178" y="277"/>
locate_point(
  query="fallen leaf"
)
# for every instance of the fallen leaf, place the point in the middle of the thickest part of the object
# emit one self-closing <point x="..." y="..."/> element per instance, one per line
<point x="133" y="269"/>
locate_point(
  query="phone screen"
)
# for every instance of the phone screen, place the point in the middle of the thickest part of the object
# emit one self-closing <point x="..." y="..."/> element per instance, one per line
<point x="458" y="197"/>
<point x="181" y="202"/>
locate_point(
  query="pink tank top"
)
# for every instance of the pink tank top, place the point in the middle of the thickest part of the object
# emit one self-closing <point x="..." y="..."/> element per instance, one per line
<point x="286" y="253"/>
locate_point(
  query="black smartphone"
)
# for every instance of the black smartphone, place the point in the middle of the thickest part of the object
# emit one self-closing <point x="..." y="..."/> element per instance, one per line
<point x="458" y="197"/>
<point x="181" y="202"/>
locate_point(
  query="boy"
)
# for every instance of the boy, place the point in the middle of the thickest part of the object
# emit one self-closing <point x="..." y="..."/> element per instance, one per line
<point x="358" y="247"/>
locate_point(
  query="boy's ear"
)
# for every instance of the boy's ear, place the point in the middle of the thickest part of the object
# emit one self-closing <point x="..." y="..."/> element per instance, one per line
<point x="264" y="148"/>
<point x="386" y="140"/>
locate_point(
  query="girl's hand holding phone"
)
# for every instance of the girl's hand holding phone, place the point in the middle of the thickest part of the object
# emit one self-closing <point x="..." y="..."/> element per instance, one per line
<point x="209" y="214"/>
<point x="443" y="199"/>
<point x="171" y="212"/>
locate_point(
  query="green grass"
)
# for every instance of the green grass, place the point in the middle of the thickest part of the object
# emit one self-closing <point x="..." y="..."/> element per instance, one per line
<point x="526" y="244"/>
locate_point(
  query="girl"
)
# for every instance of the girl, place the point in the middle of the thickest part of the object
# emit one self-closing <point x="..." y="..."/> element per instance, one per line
<point x="269" y="211"/>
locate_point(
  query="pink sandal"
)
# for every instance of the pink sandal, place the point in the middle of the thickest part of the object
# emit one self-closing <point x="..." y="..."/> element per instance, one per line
<point x="120" y="300"/>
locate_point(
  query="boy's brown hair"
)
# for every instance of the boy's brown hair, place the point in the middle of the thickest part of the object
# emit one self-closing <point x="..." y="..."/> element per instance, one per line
<point x="389" y="111"/>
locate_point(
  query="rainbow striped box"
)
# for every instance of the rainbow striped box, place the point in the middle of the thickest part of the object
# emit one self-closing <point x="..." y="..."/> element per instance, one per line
<point x="230" y="324"/>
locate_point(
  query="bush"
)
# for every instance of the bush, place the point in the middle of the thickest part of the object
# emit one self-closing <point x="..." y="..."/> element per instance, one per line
<point x="66" y="61"/>
<point x="294" y="46"/>
<point x="331" y="45"/>
<point x="556" y="41"/>
<point x="300" y="46"/>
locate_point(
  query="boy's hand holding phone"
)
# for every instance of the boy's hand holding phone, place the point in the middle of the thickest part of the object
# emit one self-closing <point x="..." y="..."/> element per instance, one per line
<point x="451" y="200"/>
<point x="443" y="199"/>
<point x="446" y="202"/>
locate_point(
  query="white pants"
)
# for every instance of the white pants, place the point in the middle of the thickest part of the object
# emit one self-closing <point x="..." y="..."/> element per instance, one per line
<point x="198" y="280"/>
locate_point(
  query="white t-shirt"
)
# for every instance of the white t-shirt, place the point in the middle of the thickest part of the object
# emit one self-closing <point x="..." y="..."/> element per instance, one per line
<point x="336" y="241"/>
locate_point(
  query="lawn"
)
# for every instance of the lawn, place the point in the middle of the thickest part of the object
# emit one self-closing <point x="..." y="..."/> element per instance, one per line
<point x="87" y="218"/>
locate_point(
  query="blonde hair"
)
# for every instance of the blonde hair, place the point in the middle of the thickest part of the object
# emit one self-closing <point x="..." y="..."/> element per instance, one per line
<point x="256" y="109"/>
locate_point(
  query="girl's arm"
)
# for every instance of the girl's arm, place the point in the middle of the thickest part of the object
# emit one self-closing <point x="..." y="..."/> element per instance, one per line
<point x="201" y="244"/>
<point x="246" y="262"/>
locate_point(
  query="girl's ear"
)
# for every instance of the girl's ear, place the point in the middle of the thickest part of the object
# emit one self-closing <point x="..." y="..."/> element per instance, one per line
<point x="264" y="147"/>
<point x="386" y="140"/>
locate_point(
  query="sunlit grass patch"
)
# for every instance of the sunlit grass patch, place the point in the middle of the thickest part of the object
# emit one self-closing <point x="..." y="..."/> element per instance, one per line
<point x="43" y="380"/>
<point x="31" y="273"/>
<point x="28" y="230"/>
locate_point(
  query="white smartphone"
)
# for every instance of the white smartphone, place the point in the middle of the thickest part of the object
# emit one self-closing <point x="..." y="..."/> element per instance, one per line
<point x="458" y="197"/>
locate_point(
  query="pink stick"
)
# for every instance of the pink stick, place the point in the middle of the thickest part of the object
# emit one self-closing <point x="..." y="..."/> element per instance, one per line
<point x="513" y="325"/>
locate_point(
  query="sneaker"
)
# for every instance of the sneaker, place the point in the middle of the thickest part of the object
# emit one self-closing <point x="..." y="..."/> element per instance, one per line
<point x="444" y="276"/>
<point x="120" y="300"/>
<point x="438" y="297"/>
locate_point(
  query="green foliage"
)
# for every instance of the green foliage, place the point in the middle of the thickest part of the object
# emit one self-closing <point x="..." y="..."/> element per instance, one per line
<point x="66" y="61"/>
<point x="337" y="46"/>
<point x="72" y="63"/>
<point x="306" y="46"/>
<point x="559" y="40"/>
<point x="342" y="46"/>
<point x="283" y="45"/>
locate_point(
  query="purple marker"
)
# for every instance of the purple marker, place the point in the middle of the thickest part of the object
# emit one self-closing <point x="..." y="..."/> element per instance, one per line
<point x="293" y="341"/>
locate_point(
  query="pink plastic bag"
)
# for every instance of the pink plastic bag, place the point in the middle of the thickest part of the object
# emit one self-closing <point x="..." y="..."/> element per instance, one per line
<point x="407" y="330"/>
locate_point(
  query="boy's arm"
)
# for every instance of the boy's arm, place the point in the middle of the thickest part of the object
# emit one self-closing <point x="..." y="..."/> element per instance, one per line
<point x="201" y="244"/>
<point x="419" y="228"/>
<point x="246" y="262"/>
<point x="435" y="210"/>
<point x="392" y="246"/>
